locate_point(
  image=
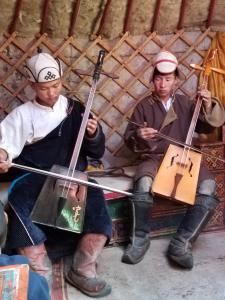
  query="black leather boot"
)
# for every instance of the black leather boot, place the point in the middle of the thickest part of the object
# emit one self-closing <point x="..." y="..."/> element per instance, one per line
<point x="195" y="220"/>
<point x="141" y="204"/>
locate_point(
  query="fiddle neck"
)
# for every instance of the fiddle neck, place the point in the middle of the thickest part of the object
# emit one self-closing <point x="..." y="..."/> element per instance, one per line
<point x="196" y="113"/>
<point x="82" y="130"/>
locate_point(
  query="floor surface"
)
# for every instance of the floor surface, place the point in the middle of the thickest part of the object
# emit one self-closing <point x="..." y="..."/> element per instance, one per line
<point x="156" y="278"/>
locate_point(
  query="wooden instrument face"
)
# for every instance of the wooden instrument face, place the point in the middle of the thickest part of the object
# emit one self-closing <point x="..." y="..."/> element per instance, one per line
<point x="173" y="163"/>
<point x="53" y="210"/>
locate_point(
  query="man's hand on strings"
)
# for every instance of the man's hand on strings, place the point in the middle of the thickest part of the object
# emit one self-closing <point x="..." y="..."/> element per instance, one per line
<point x="207" y="100"/>
<point x="147" y="133"/>
<point x="92" y="125"/>
<point x="4" y="164"/>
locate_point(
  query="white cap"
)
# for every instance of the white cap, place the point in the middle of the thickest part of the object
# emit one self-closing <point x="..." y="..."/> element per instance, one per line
<point x="166" y="63"/>
<point x="43" y="68"/>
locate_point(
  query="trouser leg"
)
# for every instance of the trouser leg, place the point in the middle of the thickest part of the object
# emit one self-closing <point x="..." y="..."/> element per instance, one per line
<point x="196" y="218"/>
<point x="141" y="203"/>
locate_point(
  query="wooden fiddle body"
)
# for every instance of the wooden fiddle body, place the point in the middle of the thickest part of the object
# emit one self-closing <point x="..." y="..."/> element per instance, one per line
<point x="178" y="175"/>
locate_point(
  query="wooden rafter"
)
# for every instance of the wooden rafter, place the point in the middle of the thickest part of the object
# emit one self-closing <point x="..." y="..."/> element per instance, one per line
<point x="16" y="16"/>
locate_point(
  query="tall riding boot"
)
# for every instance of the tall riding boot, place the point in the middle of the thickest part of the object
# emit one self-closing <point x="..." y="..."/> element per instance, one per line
<point x="140" y="239"/>
<point x="83" y="273"/>
<point x="195" y="220"/>
<point x="38" y="260"/>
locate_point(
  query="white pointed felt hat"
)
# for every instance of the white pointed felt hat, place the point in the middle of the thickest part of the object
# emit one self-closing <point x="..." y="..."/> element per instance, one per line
<point x="166" y="63"/>
<point x="43" y="68"/>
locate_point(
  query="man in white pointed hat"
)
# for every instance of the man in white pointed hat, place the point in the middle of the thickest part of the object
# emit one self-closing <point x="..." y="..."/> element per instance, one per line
<point x="42" y="133"/>
<point x="171" y="114"/>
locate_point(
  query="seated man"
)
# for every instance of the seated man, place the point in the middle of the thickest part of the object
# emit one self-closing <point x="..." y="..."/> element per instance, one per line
<point x="42" y="133"/>
<point x="37" y="285"/>
<point x="171" y="114"/>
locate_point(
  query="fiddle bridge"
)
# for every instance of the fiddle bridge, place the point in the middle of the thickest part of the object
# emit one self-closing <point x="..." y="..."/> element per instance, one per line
<point x="183" y="165"/>
<point x="66" y="187"/>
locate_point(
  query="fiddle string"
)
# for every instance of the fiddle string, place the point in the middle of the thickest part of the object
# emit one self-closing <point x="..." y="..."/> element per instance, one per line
<point x="186" y="152"/>
<point x="80" y="137"/>
<point x="199" y="104"/>
<point x="65" y="182"/>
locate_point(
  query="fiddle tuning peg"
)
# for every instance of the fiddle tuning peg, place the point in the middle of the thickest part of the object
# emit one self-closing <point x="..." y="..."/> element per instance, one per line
<point x="217" y="70"/>
<point x="110" y="75"/>
<point x="82" y="72"/>
<point x="197" y="67"/>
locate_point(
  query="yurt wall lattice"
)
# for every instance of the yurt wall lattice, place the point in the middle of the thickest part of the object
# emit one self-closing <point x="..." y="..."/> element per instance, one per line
<point x="127" y="56"/>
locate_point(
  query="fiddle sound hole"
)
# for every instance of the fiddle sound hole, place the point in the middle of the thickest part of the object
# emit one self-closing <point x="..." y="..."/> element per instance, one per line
<point x="172" y="161"/>
<point x="78" y="190"/>
<point x="191" y="166"/>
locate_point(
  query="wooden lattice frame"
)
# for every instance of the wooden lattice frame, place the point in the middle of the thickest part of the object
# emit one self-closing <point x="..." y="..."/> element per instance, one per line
<point x="125" y="89"/>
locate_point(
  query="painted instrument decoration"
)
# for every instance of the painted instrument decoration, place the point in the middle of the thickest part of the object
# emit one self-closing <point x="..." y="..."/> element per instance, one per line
<point x="61" y="203"/>
<point x="177" y="177"/>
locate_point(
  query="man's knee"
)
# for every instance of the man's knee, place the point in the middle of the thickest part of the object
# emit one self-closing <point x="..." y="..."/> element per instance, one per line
<point x="143" y="184"/>
<point x="206" y="187"/>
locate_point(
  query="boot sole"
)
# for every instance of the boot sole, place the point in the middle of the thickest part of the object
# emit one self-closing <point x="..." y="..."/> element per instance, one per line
<point x="181" y="260"/>
<point x="103" y="293"/>
<point x="128" y="260"/>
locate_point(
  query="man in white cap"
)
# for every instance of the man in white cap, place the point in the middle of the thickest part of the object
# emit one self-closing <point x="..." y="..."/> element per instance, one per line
<point x="42" y="133"/>
<point x="170" y="114"/>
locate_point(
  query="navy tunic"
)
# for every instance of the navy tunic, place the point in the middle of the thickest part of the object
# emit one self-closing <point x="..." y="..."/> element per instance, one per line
<point x="56" y="148"/>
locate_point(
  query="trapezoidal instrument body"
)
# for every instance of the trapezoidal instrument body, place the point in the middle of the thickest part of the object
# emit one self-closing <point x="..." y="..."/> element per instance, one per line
<point x="51" y="209"/>
<point x="178" y="161"/>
